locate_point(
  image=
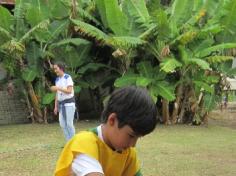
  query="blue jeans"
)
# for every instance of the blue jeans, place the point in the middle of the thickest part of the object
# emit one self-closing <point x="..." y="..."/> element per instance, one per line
<point x="66" y="121"/>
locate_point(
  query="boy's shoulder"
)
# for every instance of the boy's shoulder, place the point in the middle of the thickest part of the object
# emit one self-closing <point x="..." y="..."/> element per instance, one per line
<point x="86" y="135"/>
<point x="84" y="142"/>
<point x="89" y="139"/>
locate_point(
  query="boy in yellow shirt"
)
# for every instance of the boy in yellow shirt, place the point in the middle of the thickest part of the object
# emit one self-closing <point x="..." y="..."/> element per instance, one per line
<point x="109" y="149"/>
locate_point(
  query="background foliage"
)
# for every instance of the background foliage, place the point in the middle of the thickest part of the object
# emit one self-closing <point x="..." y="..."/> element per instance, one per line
<point x="179" y="50"/>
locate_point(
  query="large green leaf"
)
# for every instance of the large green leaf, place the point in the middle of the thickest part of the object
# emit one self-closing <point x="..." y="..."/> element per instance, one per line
<point x="212" y="79"/>
<point x="74" y="58"/>
<point x="227" y="21"/>
<point x="186" y="37"/>
<point x="19" y="13"/>
<point x="201" y="63"/>
<point x="199" y="46"/>
<point x="145" y="69"/>
<point x="112" y="16"/>
<point x="37" y="12"/>
<point x="212" y="29"/>
<point x="75" y="55"/>
<point x="77" y="89"/>
<point x="56" y="28"/>
<point x="3" y="72"/>
<point x="231" y="72"/>
<point x="41" y="35"/>
<point x="213" y="7"/>
<point x="52" y="32"/>
<point x="87" y="16"/>
<point x="75" y="49"/>
<point x="204" y="85"/>
<point x="125" y="42"/>
<point x="210" y="101"/>
<point x="226" y="69"/>
<point x="159" y="17"/>
<point x="150" y="32"/>
<point x="181" y="11"/>
<point x="74" y="41"/>
<point x="163" y="24"/>
<point x="215" y="59"/>
<point x="42" y="25"/>
<point x="197" y="5"/>
<point x="136" y="12"/>
<point x="122" y="41"/>
<point x="163" y="89"/>
<point x="59" y="10"/>
<point x="4" y="35"/>
<point x="127" y="79"/>
<point x="7" y="20"/>
<point x="184" y="54"/>
<point x="33" y="56"/>
<point x="143" y="82"/>
<point x="158" y="74"/>
<point x="170" y="64"/>
<point x="48" y="98"/>
<point x="215" y="48"/>
<point x="153" y="6"/>
<point x="29" y="74"/>
<point x="91" y="31"/>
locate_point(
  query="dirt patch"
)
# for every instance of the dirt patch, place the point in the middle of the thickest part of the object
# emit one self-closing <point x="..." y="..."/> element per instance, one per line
<point x="224" y="117"/>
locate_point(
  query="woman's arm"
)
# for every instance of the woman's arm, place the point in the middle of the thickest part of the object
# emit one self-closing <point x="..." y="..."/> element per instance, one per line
<point x="68" y="90"/>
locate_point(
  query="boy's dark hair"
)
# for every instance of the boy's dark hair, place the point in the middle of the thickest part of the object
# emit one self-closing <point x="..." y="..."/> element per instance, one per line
<point x="134" y="107"/>
<point x="61" y="65"/>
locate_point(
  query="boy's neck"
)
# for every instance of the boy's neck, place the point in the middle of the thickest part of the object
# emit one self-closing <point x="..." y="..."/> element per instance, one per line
<point x="105" y="136"/>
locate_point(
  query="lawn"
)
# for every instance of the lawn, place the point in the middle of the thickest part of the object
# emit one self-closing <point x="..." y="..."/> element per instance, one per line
<point x="181" y="150"/>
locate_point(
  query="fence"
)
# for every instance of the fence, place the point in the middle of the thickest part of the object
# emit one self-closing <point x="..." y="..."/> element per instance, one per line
<point x="12" y="109"/>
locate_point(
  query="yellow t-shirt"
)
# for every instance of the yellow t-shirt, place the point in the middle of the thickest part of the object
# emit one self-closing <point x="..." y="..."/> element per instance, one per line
<point x="112" y="162"/>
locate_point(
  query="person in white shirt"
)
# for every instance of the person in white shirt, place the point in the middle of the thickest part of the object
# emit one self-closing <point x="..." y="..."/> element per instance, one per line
<point x="64" y="101"/>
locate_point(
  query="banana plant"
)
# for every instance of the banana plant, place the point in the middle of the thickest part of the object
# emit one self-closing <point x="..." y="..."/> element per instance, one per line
<point x="192" y="48"/>
<point x="118" y="29"/>
<point x="175" y="51"/>
<point x="14" y="47"/>
<point x="150" y="77"/>
<point x="25" y="39"/>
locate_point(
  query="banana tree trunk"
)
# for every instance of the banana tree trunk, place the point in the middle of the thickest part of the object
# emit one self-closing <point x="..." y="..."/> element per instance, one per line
<point x="44" y="83"/>
<point x="205" y="118"/>
<point x="35" y="112"/>
<point x="205" y="113"/>
<point x="177" y="104"/>
<point x="38" y="115"/>
<point x="183" y="107"/>
<point x="165" y="111"/>
<point x="30" y="109"/>
<point x="45" y="119"/>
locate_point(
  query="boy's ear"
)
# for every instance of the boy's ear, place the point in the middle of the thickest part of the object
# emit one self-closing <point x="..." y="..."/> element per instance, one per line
<point x="112" y="118"/>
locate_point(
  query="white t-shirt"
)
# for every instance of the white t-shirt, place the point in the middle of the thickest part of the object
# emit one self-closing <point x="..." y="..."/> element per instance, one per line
<point x="84" y="164"/>
<point x="63" y="82"/>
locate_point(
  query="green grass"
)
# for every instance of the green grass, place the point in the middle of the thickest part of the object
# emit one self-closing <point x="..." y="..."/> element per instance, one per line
<point x="32" y="150"/>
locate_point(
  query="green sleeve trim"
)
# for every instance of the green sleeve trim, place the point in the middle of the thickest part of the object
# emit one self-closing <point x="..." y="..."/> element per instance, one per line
<point x="139" y="173"/>
<point x="94" y="130"/>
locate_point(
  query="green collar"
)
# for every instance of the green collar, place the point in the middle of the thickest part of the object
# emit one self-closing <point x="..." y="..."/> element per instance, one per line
<point x="94" y="130"/>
